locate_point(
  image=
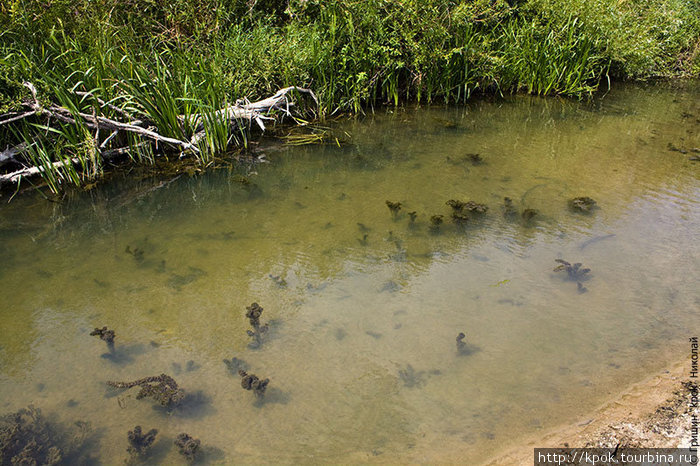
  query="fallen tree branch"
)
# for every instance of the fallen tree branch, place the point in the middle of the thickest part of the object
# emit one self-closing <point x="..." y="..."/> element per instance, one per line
<point x="256" y="111"/>
<point x="235" y="114"/>
<point x="16" y="177"/>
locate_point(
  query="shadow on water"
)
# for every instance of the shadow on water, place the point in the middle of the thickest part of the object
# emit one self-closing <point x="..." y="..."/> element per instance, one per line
<point x="28" y="436"/>
<point x="208" y="454"/>
<point x="234" y="365"/>
<point x="124" y="354"/>
<point x="190" y="366"/>
<point x="195" y="405"/>
<point x="273" y="395"/>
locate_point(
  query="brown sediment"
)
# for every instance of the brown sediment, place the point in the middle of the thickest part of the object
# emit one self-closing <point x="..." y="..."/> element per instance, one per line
<point x="654" y="413"/>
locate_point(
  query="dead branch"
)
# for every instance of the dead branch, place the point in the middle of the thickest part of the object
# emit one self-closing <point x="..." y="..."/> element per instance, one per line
<point x="16" y="177"/>
<point x="238" y="114"/>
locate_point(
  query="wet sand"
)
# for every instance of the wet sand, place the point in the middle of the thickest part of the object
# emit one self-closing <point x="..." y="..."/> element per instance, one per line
<point x="653" y="413"/>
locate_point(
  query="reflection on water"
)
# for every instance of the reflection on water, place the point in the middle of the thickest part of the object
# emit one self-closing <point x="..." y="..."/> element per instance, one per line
<point x="364" y="303"/>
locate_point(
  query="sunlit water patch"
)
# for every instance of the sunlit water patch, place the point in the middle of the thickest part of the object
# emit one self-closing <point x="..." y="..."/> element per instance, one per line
<point x="364" y="304"/>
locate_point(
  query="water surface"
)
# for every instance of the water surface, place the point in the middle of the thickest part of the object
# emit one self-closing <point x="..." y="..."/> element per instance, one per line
<point x="361" y="351"/>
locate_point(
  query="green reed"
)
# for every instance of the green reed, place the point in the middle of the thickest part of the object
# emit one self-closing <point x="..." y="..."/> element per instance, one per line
<point x="166" y="63"/>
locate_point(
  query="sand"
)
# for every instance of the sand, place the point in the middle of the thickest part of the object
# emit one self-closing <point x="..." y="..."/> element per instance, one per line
<point x="654" y="413"/>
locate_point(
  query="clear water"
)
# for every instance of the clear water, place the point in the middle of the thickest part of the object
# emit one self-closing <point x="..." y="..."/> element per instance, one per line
<point x="361" y="353"/>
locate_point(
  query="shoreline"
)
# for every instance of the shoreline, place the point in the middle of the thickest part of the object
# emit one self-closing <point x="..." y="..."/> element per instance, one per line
<point x="653" y="413"/>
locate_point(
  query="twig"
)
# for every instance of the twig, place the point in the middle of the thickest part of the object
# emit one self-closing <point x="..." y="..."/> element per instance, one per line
<point x="16" y="116"/>
<point x="16" y="176"/>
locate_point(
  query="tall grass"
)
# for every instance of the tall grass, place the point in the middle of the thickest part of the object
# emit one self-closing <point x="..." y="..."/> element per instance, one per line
<point x="548" y="60"/>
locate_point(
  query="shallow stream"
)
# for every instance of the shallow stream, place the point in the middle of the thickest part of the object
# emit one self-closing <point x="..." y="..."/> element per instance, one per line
<point x="364" y="305"/>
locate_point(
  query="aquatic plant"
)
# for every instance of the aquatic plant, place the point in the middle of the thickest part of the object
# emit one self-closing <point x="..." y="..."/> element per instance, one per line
<point x="509" y="210"/>
<point x="412" y="216"/>
<point x="363" y="228"/>
<point x="573" y="271"/>
<point x="136" y="253"/>
<point x="363" y="241"/>
<point x="27" y="439"/>
<point x="582" y="204"/>
<point x="475" y="159"/>
<point x="279" y="281"/>
<point x="235" y="364"/>
<point x="394" y="207"/>
<point x="253" y="313"/>
<point x="460" y="218"/>
<point x="187" y="446"/>
<point x="456" y="204"/>
<point x="436" y="220"/>
<point x="140" y="443"/>
<point x="162" y="388"/>
<point x="254" y="383"/>
<point x="105" y="335"/>
<point x="177" y="281"/>
<point x="413" y="378"/>
<point x="528" y="214"/>
<point x="469" y="207"/>
<point x="410" y="377"/>
<point x="461" y="344"/>
<point x="475" y="207"/>
<point x="464" y="348"/>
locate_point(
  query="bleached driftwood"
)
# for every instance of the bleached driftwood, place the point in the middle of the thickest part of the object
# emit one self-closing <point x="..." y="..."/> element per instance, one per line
<point x="241" y="113"/>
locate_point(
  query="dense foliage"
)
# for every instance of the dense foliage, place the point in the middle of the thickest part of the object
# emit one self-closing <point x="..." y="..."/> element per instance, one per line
<point x="173" y="58"/>
<point x="353" y="52"/>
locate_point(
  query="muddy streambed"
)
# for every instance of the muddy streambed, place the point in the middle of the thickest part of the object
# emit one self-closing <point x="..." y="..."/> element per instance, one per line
<point x="363" y="302"/>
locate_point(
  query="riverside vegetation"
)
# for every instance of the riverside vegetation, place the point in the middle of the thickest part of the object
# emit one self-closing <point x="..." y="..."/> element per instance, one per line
<point x="155" y="64"/>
